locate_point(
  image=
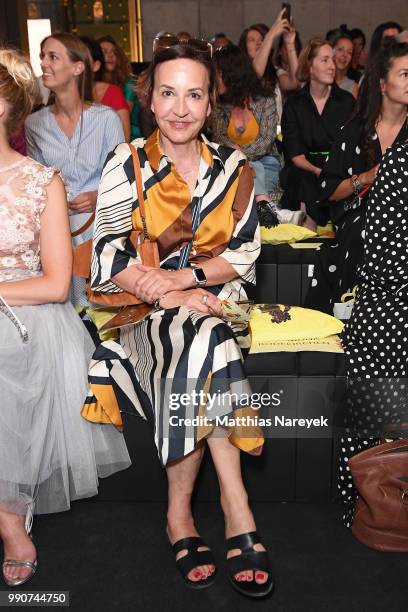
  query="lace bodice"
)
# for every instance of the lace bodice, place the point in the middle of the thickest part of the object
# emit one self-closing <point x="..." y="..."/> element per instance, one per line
<point x="23" y="198"/>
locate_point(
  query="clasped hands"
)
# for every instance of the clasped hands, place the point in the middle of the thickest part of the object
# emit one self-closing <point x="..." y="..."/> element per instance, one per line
<point x="174" y="288"/>
<point x="83" y="203"/>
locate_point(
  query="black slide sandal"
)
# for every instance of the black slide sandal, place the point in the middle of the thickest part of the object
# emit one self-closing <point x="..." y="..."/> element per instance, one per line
<point x="193" y="559"/>
<point x="249" y="559"/>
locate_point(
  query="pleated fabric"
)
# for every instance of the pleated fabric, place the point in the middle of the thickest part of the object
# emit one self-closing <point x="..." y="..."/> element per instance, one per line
<point x="48" y="452"/>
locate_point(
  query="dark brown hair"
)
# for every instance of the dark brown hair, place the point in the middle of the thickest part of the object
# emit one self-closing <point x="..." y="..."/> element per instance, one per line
<point x="269" y="78"/>
<point x="181" y="51"/>
<point x="239" y="77"/>
<point x="370" y="100"/>
<point x="123" y="71"/>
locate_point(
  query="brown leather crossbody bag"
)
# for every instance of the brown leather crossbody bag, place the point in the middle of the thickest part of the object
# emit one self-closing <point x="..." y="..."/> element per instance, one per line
<point x="146" y="248"/>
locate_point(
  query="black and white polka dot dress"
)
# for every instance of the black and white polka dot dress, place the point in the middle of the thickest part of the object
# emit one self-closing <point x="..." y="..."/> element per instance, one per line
<point x="376" y="336"/>
<point x="335" y="272"/>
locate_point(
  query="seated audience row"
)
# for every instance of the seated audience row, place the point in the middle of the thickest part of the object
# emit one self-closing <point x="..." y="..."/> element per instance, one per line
<point x="333" y="149"/>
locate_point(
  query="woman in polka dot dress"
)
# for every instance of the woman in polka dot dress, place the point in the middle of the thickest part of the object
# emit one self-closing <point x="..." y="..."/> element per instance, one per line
<point x="376" y="336"/>
<point x="380" y="119"/>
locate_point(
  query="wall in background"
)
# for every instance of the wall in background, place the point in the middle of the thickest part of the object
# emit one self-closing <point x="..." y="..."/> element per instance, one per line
<point x="10" y="24"/>
<point x="199" y="17"/>
<point x="312" y="17"/>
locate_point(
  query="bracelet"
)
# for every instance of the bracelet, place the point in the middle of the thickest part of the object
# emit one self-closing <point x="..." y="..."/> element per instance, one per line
<point x="157" y="302"/>
<point x="5" y="309"/>
<point x="356" y="184"/>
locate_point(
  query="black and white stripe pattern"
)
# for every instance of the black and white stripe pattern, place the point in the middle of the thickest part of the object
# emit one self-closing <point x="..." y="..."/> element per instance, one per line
<point x="175" y="351"/>
<point x="117" y="198"/>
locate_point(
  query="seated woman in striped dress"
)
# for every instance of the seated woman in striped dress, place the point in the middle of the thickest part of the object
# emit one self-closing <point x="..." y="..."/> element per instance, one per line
<point x="183" y="345"/>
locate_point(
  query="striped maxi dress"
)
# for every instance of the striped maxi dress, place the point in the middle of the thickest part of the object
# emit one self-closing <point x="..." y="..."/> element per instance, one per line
<point x="176" y="353"/>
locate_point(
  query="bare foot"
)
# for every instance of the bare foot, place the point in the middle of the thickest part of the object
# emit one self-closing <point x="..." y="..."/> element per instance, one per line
<point x="241" y="520"/>
<point x="178" y="529"/>
<point x="17" y="545"/>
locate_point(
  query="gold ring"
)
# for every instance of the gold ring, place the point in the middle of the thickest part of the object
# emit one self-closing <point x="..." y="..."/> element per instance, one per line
<point x="204" y="299"/>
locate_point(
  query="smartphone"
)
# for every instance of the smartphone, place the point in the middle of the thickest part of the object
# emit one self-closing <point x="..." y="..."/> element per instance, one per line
<point x="288" y="11"/>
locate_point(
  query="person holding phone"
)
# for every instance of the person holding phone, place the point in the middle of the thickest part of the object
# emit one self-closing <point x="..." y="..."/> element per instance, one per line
<point x="282" y="63"/>
<point x="258" y="41"/>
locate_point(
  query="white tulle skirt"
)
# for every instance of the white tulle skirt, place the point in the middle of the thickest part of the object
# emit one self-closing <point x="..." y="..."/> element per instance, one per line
<point x="48" y="452"/>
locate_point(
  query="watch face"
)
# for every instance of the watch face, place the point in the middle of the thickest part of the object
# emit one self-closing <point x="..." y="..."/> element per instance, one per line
<point x="200" y="275"/>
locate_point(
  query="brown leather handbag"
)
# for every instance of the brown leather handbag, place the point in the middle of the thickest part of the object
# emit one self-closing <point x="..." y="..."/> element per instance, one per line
<point x="380" y="475"/>
<point x="146" y="248"/>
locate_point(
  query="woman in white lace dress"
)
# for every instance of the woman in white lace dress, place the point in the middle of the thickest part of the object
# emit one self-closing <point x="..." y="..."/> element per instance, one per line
<point x="49" y="455"/>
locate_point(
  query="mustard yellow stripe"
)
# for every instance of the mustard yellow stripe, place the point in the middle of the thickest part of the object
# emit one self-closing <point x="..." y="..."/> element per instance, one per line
<point x="218" y="225"/>
<point x="253" y="446"/>
<point x="168" y="207"/>
<point x="105" y="408"/>
<point x="166" y="201"/>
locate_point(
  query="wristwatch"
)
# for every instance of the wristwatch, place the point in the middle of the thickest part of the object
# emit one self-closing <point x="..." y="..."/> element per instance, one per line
<point x="200" y="277"/>
<point x="356" y="184"/>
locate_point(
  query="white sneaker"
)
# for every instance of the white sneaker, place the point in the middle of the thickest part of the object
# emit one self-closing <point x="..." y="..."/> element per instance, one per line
<point x="290" y="216"/>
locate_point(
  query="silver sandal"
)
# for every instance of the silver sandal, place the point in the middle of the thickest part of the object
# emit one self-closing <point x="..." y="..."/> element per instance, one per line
<point x="32" y="565"/>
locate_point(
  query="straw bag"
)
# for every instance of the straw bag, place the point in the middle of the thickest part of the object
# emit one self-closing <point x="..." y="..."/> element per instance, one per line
<point x="146" y="248"/>
<point x="380" y="475"/>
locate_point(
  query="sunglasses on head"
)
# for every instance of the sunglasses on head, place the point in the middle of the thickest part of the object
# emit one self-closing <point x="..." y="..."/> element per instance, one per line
<point x="165" y="40"/>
